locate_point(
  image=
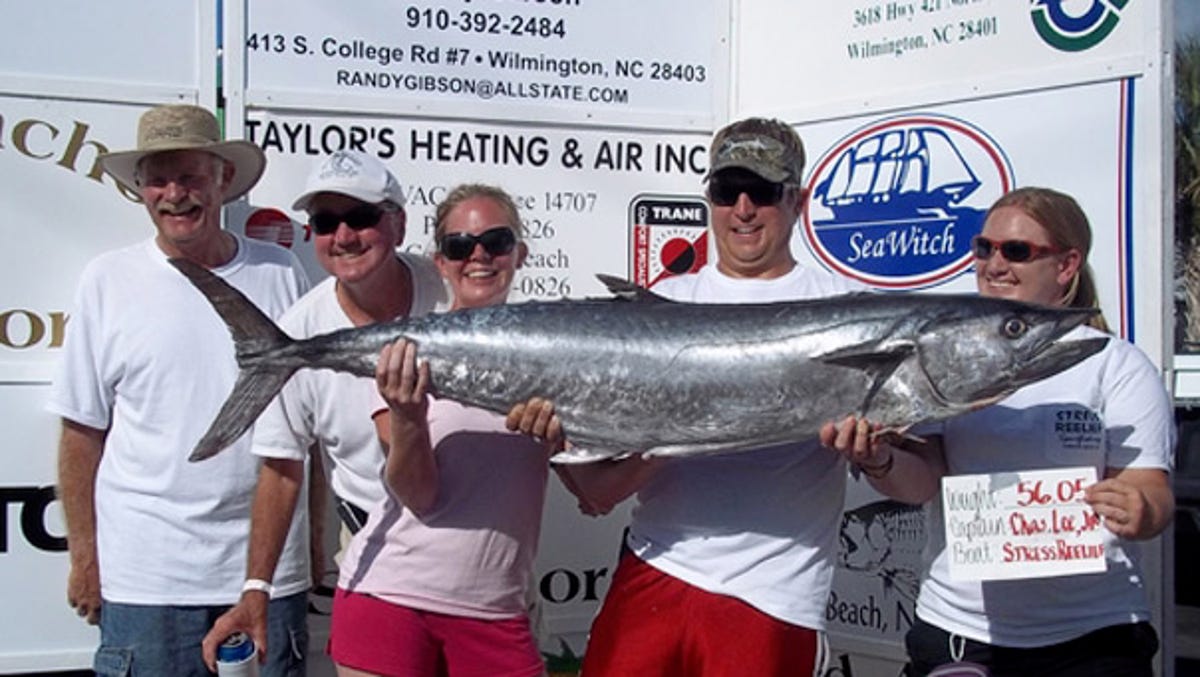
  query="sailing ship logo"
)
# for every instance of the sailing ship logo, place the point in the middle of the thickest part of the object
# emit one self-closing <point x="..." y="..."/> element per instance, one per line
<point x="896" y="203"/>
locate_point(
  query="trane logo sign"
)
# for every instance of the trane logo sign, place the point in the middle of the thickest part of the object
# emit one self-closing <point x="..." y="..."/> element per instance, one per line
<point x="21" y="329"/>
<point x="65" y="144"/>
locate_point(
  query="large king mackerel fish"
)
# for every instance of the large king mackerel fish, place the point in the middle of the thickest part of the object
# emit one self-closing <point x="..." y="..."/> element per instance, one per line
<point x="639" y="373"/>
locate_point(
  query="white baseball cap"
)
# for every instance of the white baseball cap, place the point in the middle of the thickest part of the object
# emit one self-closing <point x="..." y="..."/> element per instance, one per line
<point x="349" y="172"/>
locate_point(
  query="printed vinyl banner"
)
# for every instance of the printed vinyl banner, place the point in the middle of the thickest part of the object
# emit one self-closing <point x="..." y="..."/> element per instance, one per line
<point x="41" y="632"/>
<point x="62" y="212"/>
<point x="66" y="211"/>
<point x="73" y="40"/>
<point x="878" y="574"/>
<point x="575" y="60"/>
<point x="896" y="198"/>
<point x="575" y="187"/>
<point x="876" y="53"/>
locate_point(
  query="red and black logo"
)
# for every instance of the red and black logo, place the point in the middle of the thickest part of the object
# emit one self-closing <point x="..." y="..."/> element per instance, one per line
<point x="668" y="236"/>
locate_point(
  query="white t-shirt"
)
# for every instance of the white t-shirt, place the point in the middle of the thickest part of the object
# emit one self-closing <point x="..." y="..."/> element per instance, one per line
<point x="1111" y="410"/>
<point x="334" y="408"/>
<point x="759" y="525"/>
<point x="148" y="358"/>
<point x="472" y="554"/>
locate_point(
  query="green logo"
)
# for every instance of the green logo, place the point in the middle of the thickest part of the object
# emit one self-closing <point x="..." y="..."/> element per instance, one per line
<point x="1075" y="32"/>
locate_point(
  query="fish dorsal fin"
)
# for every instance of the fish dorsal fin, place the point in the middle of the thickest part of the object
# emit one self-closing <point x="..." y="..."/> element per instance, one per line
<point x="628" y="291"/>
<point x="876" y="359"/>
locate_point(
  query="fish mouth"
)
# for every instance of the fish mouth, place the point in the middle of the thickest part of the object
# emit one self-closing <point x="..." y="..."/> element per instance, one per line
<point x="1059" y="356"/>
<point x="1055" y="357"/>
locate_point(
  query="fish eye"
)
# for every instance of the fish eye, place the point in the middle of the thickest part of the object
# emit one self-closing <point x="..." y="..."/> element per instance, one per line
<point x="1014" y="327"/>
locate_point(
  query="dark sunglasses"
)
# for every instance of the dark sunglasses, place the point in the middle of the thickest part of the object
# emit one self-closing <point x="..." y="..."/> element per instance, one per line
<point x="1015" y="251"/>
<point x="724" y="192"/>
<point x="496" y="241"/>
<point x="358" y="218"/>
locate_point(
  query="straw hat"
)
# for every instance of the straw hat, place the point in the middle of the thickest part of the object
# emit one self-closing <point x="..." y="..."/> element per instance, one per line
<point x="187" y="127"/>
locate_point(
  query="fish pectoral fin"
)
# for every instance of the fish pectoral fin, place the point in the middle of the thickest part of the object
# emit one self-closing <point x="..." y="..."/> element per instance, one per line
<point x="870" y="357"/>
<point x="625" y="290"/>
<point x="893" y="433"/>
<point x="877" y="360"/>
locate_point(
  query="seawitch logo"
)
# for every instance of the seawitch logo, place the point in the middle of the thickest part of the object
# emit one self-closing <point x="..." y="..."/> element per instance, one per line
<point x="1075" y="25"/>
<point x="896" y="203"/>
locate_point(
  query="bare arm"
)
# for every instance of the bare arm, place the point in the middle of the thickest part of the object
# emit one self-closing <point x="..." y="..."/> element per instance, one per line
<point x="275" y="498"/>
<point x="1136" y="503"/>
<point x="79" y="451"/>
<point x="599" y="486"/>
<point x="318" y="502"/>
<point x="411" y="470"/>
<point x="602" y="485"/>
<point x="904" y="469"/>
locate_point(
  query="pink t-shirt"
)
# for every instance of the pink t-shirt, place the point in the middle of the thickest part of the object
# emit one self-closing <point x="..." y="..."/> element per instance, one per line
<point x="472" y="554"/>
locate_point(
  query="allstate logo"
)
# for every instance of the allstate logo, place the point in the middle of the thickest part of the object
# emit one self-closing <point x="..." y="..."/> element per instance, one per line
<point x="1075" y="25"/>
<point x="896" y="203"/>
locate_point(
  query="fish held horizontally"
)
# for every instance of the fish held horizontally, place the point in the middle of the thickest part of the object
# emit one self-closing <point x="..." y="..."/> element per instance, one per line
<point x="639" y="373"/>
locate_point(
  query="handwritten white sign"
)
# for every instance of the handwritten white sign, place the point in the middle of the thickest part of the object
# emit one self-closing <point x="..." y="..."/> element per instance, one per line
<point x="1028" y="524"/>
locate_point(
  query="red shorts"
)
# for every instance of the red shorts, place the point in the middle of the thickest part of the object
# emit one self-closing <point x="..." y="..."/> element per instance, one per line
<point x="371" y="635"/>
<point x="655" y="624"/>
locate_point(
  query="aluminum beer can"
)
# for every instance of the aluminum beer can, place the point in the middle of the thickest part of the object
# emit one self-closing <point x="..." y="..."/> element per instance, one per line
<point x="236" y="657"/>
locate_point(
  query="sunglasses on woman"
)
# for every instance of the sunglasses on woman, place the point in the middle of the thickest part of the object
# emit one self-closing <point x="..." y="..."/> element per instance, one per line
<point x="496" y="241"/>
<point x="358" y="218"/>
<point x="1014" y="251"/>
<point x="725" y="191"/>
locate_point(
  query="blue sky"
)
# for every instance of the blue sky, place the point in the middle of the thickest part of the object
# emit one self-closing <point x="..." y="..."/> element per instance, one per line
<point x="1187" y="18"/>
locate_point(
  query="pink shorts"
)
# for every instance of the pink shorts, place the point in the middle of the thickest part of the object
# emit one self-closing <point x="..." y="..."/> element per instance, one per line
<point x="655" y="624"/>
<point x="371" y="635"/>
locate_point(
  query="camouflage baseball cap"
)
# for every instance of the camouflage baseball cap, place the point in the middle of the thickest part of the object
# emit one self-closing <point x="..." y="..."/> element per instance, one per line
<point x="769" y="148"/>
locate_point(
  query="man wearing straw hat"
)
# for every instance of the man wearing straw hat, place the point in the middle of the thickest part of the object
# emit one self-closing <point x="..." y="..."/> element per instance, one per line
<point x="158" y="544"/>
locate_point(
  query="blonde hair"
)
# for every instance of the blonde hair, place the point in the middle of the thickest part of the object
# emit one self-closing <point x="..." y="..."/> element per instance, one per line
<point x="463" y="192"/>
<point x="1066" y="224"/>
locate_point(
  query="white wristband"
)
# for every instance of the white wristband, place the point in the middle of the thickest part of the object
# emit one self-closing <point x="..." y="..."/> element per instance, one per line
<point x="257" y="584"/>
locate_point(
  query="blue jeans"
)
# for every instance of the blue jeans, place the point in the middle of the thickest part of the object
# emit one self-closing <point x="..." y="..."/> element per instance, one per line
<point x="139" y="640"/>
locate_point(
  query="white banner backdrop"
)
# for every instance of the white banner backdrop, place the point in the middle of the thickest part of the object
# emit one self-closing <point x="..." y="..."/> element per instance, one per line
<point x="616" y="62"/>
<point x="575" y="187"/>
<point x="880" y="54"/>
<point x="75" y="76"/>
<point x="1071" y="139"/>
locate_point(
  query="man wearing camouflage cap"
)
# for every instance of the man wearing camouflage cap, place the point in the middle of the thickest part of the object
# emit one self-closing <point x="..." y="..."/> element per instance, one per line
<point x="729" y="559"/>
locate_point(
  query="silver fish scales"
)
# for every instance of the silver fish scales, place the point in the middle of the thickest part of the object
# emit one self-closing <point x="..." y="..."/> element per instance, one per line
<point x="638" y="373"/>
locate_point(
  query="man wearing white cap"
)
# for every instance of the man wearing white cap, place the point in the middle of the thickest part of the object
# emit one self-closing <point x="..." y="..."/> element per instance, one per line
<point x="356" y="210"/>
<point x="156" y="542"/>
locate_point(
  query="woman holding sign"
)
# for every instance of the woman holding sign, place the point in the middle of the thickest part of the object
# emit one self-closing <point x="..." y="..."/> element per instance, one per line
<point x="1109" y="413"/>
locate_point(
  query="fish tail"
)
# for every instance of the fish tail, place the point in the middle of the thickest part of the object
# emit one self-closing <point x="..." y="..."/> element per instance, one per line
<point x="256" y="339"/>
<point x="251" y="394"/>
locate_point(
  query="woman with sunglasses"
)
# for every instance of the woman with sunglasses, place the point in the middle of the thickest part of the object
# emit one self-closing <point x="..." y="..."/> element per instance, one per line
<point x="437" y="581"/>
<point x="1110" y="411"/>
